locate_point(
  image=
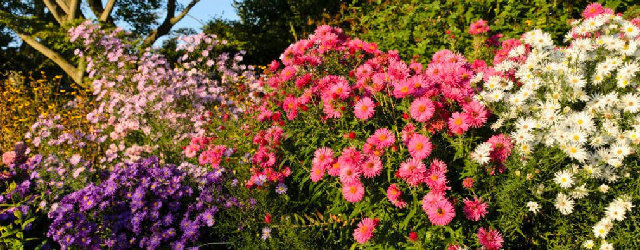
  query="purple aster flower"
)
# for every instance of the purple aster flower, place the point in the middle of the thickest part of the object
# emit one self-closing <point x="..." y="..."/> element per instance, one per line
<point x="281" y="188"/>
<point x="266" y="233"/>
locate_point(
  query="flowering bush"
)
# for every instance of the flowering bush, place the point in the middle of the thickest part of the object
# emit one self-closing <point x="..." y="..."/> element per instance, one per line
<point x="395" y="136"/>
<point x="24" y="99"/>
<point x="339" y="144"/>
<point x="143" y="204"/>
<point x="21" y="198"/>
<point x="572" y="114"/>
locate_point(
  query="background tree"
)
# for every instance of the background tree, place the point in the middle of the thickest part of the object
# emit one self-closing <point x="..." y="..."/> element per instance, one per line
<point x="424" y="27"/>
<point x="42" y="24"/>
<point x="266" y="28"/>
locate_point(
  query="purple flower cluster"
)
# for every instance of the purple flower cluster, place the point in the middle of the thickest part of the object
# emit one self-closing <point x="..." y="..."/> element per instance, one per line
<point x="138" y="92"/>
<point x="17" y="183"/>
<point x="140" y="205"/>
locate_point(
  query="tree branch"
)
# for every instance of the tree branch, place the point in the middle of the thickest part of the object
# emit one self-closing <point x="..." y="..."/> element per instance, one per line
<point x="107" y="11"/>
<point x="168" y="22"/>
<point x="55" y="10"/>
<point x="74" y="10"/>
<point x="63" y="5"/>
<point x="75" y="73"/>
<point x="96" y="7"/>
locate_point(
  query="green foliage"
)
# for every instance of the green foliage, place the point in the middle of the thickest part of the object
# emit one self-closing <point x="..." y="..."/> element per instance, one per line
<point x="415" y="27"/>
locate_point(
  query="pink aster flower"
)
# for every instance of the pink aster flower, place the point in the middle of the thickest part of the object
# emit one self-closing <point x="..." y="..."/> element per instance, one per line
<point x="382" y="138"/>
<point x="402" y="89"/>
<point x="350" y="156"/>
<point x="441" y="213"/>
<point x="475" y="209"/>
<point x="365" y="229"/>
<point x="290" y="105"/>
<point x="476" y="113"/>
<point x="454" y="247"/>
<point x="422" y="109"/>
<point x="364" y="108"/>
<point x="205" y="158"/>
<point x="372" y="166"/>
<point x="500" y="147"/>
<point x="491" y="240"/>
<point x="458" y="123"/>
<point x="334" y="169"/>
<point x="9" y="157"/>
<point x="394" y="195"/>
<point x="413" y="171"/>
<point x="592" y="10"/>
<point x="430" y="200"/>
<point x="323" y="157"/>
<point x="438" y="165"/>
<point x="263" y="158"/>
<point x="349" y="173"/>
<point x="317" y="172"/>
<point x="288" y="73"/>
<point x="419" y="147"/>
<point x="479" y="27"/>
<point x="191" y="150"/>
<point x="340" y="89"/>
<point x="436" y="180"/>
<point x="353" y="192"/>
<point x="330" y="110"/>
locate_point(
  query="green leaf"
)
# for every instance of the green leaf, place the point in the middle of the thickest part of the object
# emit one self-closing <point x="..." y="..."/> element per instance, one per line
<point x="406" y="220"/>
<point x="18" y="214"/>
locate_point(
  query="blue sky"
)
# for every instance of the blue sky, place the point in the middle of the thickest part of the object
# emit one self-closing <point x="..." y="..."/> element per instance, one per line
<point x="202" y="12"/>
<point x="206" y="10"/>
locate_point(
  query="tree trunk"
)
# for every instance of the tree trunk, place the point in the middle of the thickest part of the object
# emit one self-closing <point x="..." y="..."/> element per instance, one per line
<point x="75" y="73"/>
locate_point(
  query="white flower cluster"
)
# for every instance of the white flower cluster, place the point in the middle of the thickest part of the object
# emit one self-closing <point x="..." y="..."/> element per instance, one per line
<point x="614" y="212"/>
<point x="581" y="99"/>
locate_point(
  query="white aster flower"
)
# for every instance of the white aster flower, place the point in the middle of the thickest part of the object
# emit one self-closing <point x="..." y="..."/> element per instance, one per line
<point x="630" y="103"/>
<point x="606" y="246"/>
<point x="564" y="178"/>
<point x="614" y="212"/>
<point x="482" y="153"/>
<point x="601" y="229"/>
<point x="580" y="192"/>
<point x="564" y="203"/>
<point x="533" y="206"/>
<point x="588" y="244"/>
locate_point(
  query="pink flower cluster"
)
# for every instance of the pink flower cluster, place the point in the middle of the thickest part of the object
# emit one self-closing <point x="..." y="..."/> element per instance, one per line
<point x="479" y="27"/>
<point x="265" y="159"/>
<point x="349" y="167"/>
<point x="211" y="154"/>
<point x="500" y="150"/>
<point x="439" y="98"/>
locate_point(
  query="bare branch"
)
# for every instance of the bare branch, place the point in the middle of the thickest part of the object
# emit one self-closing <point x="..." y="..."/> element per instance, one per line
<point x="107" y="11"/>
<point x="74" y="10"/>
<point x="169" y="21"/>
<point x="96" y="7"/>
<point x="55" y="10"/>
<point x="63" y="5"/>
<point x="75" y="73"/>
<point x="184" y="12"/>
